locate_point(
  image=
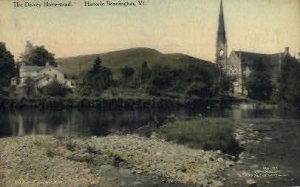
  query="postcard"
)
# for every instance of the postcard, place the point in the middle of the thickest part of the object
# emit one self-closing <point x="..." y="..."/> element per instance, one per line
<point x="115" y="93"/>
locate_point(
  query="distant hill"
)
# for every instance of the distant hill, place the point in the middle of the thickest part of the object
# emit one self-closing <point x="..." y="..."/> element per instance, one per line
<point x="134" y="57"/>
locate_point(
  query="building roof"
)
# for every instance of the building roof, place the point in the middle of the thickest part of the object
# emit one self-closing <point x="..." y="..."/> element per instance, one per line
<point x="250" y="57"/>
<point x="37" y="68"/>
<point x="32" y="68"/>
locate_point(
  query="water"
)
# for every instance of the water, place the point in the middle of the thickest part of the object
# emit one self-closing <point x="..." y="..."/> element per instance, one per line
<point x="282" y="152"/>
<point x="75" y="122"/>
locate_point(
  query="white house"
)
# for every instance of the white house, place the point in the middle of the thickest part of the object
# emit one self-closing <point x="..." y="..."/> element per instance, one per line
<point x="41" y="76"/>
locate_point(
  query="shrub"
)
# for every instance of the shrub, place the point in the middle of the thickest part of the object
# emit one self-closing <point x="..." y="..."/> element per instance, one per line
<point x="198" y="89"/>
<point x="55" y="89"/>
<point x="203" y="133"/>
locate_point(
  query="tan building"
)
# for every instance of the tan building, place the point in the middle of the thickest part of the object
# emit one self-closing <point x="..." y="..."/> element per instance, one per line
<point x="41" y="76"/>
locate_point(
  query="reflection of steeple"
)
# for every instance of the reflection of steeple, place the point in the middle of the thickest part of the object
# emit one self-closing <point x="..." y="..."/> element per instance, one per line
<point x="221" y="45"/>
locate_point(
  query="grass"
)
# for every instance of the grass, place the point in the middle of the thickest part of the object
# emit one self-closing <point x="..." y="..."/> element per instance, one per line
<point x="203" y="133"/>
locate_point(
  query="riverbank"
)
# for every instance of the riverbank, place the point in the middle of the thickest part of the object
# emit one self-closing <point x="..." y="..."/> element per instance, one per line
<point x="44" y="102"/>
<point x="40" y="160"/>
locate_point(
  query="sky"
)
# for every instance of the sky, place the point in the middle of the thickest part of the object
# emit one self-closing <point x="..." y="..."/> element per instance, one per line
<point x="170" y="26"/>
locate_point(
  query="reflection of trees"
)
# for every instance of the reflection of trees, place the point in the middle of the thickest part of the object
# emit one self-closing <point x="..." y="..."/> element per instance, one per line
<point x="4" y="125"/>
<point x="76" y="122"/>
<point x="35" y="122"/>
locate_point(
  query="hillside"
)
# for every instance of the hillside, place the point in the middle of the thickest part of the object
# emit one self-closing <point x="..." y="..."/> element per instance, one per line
<point x="134" y="57"/>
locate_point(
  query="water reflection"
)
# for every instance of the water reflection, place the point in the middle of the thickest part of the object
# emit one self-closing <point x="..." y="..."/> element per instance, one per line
<point x="91" y="122"/>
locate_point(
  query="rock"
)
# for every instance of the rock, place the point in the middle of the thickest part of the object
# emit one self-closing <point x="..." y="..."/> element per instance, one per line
<point x="268" y="139"/>
<point x="183" y="169"/>
<point x="136" y="183"/>
<point x="218" y="183"/>
<point x="229" y="163"/>
<point x="138" y="171"/>
<point x="220" y="160"/>
<point x="106" y="167"/>
<point x="251" y="182"/>
<point x="158" y="153"/>
<point x="254" y="166"/>
<point x="125" y="171"/>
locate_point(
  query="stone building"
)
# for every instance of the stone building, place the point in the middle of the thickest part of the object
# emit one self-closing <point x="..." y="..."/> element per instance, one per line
<point x="240" y="63"/>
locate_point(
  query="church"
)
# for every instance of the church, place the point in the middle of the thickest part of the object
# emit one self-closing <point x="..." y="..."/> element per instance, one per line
<point x="239" y="64"/>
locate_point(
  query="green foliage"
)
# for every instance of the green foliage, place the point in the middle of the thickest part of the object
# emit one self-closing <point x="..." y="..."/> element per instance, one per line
<point x="162" y="77"/>
<point x="37" y="55"/>
<point x="127" y="72"/>
<point x="259" y="84"/>
<point x="223" y="86"/>
<point x="203" y="133"/>
<point x="198" y="89"/>
<point x="55" y="89"/>
<point x="288" y="94"/>
<point x="193" y="80"/>
<point x="97" y="65"/>
<point x="95" y="81"/>
<point x="7" y="67"/>
<point x="145" y="72"/>
<point x="29" y="87"/>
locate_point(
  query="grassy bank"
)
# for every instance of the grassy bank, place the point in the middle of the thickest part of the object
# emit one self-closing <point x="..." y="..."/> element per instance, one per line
<point x="202" y="133"/>
<point x="41" y="102"/>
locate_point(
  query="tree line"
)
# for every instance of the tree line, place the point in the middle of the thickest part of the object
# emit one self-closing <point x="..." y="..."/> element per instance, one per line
<point x="285" y="91"/>
<point x="192" y="81"/>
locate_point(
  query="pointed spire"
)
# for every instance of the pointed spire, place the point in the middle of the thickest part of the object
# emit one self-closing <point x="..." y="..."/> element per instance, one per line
<point x="221" y="27"/>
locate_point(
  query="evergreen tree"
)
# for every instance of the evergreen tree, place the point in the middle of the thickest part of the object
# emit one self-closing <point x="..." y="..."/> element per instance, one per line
<point x="7" y="65"/>
<point x="145" y="72"/>
<point x="96" y="80"/>
<point x="97" y="64"/>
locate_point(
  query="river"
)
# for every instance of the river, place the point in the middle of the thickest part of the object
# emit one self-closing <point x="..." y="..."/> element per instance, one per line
<point x="279" y="155"/>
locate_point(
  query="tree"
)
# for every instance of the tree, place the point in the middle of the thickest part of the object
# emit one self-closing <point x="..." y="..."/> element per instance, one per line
<point x="94" y="81"/>
<point x="288" y="95"/>
<point x="259" y="84"/>
<point x="55" y="89"/>
<point x="223" y="86"/>
<point x="198" y="89"/>
<point x="7" y="65"/>
<point x="97" y="64"/>
<point x="127" y="72"/>
<point x="37" y="55"/>
<point x="145" y="72"/>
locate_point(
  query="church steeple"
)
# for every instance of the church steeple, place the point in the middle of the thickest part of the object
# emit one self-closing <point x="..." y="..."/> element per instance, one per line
<point x="221" y="45"/>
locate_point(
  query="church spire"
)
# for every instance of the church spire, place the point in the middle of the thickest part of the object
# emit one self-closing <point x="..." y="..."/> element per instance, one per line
<point x="221" y="27"/>
<point x="221" y="44"/>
